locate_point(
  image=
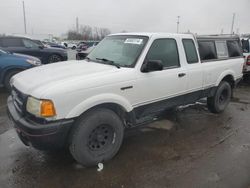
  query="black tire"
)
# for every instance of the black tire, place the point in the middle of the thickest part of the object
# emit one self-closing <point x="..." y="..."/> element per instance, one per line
<point x="7" y="77"/>
<point x="54" y="58"/>
<point x="97" y="137"/>
<point x="73" y="48"/>
<point x="221" y="98"/>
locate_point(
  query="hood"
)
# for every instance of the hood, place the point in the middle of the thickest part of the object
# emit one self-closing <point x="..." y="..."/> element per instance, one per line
<point x="25" y="56"/>
<point x="63" y="75"/>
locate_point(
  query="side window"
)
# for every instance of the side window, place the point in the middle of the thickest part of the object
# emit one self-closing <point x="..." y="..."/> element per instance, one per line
<point x="234" y="49"/>
<point x="11" y="42"/>
<point x="207" y="50"/>
<point x="245" y="45"/>
<point x="190" y="51"/>
<point x="29" y="43"/>
<point x="166" y="51"/>
<point x="221" y="47"/>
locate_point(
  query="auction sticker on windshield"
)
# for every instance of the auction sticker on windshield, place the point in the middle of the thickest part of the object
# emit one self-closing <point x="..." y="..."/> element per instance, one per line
<point x="133" y="41"/>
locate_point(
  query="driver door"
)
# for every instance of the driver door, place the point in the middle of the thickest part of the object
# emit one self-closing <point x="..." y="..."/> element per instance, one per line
<point x="163" y="89"/>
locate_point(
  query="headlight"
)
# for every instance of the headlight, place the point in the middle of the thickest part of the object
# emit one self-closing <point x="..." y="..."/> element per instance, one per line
<point x="34" y="62"/>
<point x="40" y="108"/>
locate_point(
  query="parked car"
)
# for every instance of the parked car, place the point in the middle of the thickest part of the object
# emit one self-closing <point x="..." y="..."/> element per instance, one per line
<point x="82" y="53"/>
<point x="126" y="81"/>
<point x="29" y="47"/>
<point x="246" y="51"/>
<point x="72" y="45"/>
<point x="11" y="64"/>
<point x="55" y="45"/>
<point x="82" y="46"/>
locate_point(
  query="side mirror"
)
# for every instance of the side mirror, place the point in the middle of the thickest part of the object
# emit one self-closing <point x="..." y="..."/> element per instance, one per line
<point x="152" y="65"/>
<point x="41" y="47"/>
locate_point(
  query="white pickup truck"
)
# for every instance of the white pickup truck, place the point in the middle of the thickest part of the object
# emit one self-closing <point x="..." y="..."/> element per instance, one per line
<point x="126" y="81"/>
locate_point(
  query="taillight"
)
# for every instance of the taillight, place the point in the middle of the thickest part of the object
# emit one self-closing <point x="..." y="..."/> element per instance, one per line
<point x="248" y="60"/>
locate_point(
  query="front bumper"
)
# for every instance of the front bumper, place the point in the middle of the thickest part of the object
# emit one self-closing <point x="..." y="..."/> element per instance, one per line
<point x="47" y="136"/>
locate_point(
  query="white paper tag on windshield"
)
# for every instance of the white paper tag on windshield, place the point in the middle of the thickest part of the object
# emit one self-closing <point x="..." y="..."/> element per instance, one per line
<point x="133" y="41"/>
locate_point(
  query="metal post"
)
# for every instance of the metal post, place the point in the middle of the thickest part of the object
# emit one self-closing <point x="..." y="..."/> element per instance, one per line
<point x="77" y="25"/>
<point x="178" y="22"/>
<point x="232" y="28"/>
<point x="24" y="19"/>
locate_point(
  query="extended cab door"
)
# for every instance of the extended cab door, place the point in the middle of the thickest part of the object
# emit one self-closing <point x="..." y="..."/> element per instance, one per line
<point x="158" y="90"/>
<point x="195" y="72"/>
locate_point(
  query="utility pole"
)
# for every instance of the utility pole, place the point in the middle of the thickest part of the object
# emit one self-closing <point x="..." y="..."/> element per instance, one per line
<point x="24" y="19"/>
<point x="178" y="23"/>
<point x="232" y="28"/>
<point x="77" y="25"/>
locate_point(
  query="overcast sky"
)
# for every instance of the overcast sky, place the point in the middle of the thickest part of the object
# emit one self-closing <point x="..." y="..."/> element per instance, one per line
<point x="57" y="16"/>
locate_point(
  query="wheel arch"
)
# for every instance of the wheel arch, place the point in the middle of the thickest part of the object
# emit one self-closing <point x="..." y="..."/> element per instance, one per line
<point x="118" y="104"/>
<point x="8" y="70"/>
<point x="227" y="76"/>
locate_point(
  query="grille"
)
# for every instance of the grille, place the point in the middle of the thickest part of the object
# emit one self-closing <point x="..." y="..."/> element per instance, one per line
<point x="19" y="100"/>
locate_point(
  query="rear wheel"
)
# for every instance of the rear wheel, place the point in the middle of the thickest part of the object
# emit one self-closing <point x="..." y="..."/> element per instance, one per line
<point x="97" y="137"/>
<point x="54" y="58"/>
<point x="7" y="78"/>
<point x="221" y="98"/>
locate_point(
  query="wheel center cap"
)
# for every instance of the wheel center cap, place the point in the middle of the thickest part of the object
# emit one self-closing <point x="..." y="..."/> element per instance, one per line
<point x="100" y="138"/>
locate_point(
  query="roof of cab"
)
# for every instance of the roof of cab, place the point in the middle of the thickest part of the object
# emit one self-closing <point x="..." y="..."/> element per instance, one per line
<point x="154" y="34"/>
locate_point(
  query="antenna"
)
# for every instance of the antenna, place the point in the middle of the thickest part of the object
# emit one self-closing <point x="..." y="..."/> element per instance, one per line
<point x="232" y="28"/>
<point x="178" y="23"/>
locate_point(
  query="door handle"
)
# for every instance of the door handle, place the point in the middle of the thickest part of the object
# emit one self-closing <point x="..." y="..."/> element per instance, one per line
<point x="181" y="74"/>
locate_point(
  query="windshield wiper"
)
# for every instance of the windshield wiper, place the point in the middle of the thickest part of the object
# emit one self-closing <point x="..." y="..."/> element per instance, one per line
<point x="109" y="62"/>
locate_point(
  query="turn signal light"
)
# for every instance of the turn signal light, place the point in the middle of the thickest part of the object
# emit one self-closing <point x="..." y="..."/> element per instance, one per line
<point x="47" y="108"/>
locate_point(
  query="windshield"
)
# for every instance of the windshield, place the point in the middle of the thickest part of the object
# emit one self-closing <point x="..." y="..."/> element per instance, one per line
<point x="121" y="50"/>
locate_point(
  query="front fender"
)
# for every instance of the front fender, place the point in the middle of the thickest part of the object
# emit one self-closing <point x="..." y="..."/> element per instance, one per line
<point x="98" y="100"/>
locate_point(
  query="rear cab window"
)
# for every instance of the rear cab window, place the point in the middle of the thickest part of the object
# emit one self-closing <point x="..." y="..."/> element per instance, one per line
<point x="190" y="51"/>
<point x="166" y="51"/>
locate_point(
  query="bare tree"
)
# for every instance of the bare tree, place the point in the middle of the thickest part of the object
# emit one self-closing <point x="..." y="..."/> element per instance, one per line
<point x="88" y="33"/>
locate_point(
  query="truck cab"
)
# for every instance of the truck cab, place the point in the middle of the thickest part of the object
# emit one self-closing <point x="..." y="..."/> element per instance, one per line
<point x="126" y="81"/>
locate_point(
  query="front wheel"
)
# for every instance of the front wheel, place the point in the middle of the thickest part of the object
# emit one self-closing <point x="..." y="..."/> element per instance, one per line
<point x="221" y="98"/>
<point x="97" y="137"/>
<point x="7" y="77"/>
<point x="54" y="58"/>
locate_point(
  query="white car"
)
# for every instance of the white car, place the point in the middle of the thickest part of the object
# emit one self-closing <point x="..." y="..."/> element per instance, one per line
<point x="246" y="53"/>
<point x="70" y="45"/>
<point x="126" y="81"/>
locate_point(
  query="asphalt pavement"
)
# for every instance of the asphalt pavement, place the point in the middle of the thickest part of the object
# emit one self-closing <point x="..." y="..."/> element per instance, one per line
<point x="191" y="147"/>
